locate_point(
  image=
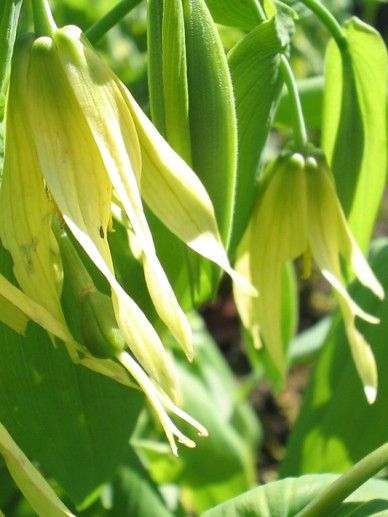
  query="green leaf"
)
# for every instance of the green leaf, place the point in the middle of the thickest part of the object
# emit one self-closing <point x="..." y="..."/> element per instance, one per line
<point x="243" y="14"/>
<point x="194" y="109"/>
<point x="336" y="426"/>
<point x="254" y="66"/>
<point x="134" y="494"/>
<point x="62" y="415"/>
<point x="289" y="496"/>
<point x="354" y="124"/>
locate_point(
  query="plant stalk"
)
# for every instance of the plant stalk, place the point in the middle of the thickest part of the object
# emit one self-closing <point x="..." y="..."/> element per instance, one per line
<point x="44" y="23"/>
<point x="110" y="19"/>
<point x="328" y="20"/>
<point x="326" y="502"/>
<point x="300" y="133"/>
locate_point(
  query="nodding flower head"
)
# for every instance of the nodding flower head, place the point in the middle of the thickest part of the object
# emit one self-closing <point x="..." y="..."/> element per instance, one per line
<point x="76" y="144"/>
<point x="298" y="212"/>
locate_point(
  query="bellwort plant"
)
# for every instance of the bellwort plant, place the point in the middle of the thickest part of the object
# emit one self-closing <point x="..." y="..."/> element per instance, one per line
<point x="86" y="143"/>
<point x="118" y="218"/>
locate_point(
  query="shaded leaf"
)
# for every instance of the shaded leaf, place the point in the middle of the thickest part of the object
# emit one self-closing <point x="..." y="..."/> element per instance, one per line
<point x="354" y="124"/>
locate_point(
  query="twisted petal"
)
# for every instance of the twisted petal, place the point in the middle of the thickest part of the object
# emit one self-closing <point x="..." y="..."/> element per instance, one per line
<point x="176" y="195"/>
<point x="161" y="403"/>
<point x="330" y="237"/>
<point x="112" y="129"/>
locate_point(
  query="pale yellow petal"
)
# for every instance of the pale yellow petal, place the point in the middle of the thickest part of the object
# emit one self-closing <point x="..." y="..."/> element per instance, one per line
<point x="111" y="126"/>
<point x="161" y="404"/>
<point x="25" y="210"/>
<point x="75" y="174"/>
<point x="34" y="487"/>
<point x="362" y="354"/>
<point x="277" y="234"/>
<point x="328" y="236"/>
<point x="328" y="233"/>
<point x="176" y="195"/>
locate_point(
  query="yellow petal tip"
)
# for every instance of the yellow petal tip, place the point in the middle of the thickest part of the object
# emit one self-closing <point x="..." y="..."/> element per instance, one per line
<point x="370" y="393"/>
<point x="243" y="284"/>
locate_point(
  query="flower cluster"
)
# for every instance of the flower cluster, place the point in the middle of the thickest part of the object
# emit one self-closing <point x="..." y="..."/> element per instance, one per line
<point x="76" y="144"/>
<point x="298" y="212"/>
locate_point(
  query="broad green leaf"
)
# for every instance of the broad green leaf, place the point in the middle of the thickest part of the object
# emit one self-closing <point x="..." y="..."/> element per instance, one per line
<point x="354" y="124"/>
<point x="212" y="112"/>
<point x="254" y="66"/>
<point x="29" y="480"/>
<point x="62" y="415"/>
<point x="12" y="316"/>
<point x="244" y="14"/>
<point x="289" y="496"/>
<point x="210" y="394"/>
<point x="337" y="426"/>
<point x="134" y="494"/>
<point x="307" y="344"/>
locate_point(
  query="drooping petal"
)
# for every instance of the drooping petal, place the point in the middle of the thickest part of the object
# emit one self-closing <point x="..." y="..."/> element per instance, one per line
<point x="34" y="487"/>
<point x="277" y="233"/>
<point x="33" y="310"/>
<point x="362" y="354"/>
<point x="176" y="195"/>
<point x="76" y="177"/>
<point x="161" y="403"/>
<point x="111" y="126"/>
<point x="25" y="210"/>
<point x="329" y="237"/>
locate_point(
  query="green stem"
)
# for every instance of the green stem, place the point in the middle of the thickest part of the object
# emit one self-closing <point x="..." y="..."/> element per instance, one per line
<point x="328" y="20"/>
<point x="99" y="29"/>
<point x="300" y="133"/>
<point x="326" y="502"/>
<point x="8" y="27"/>
<point x="44" y="23"/>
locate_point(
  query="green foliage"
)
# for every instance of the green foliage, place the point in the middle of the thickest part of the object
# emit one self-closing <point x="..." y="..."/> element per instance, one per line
<point x="354" y="123"/>
<point x="289" y="496"/>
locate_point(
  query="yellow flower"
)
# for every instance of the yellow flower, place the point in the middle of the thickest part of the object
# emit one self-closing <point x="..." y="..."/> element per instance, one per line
<point x="74" y="131"/>
<point x="298" y="212"/>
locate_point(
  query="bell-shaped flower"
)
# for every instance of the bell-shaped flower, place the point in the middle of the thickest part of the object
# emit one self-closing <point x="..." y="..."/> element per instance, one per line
<point x="298" y="212"/>
<point x="75" y="138"/>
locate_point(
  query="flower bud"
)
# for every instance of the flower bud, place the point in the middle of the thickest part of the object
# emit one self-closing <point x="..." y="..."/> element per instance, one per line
<point x="99" y="330"/>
